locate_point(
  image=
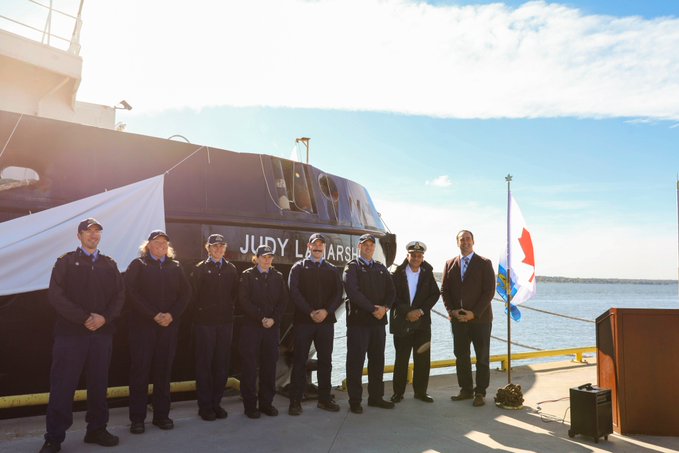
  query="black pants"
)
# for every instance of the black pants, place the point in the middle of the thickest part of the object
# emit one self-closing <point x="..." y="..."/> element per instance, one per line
<point x="403" y="345"/>
<point x="152" y="350"/>
<point x="478" y="334"/>
<point x="362" y="340"/>
<point x="213" y="354"/>
<point x="322" y="336"/>
<point x="258" y="347"/>
<point x="71" y="354"/>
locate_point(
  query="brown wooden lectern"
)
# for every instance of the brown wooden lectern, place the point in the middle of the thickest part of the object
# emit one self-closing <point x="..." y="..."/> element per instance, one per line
<point x="638" y="359"/>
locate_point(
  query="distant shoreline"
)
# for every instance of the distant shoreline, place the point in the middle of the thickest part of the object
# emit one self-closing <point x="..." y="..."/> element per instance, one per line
<point x="632" y="281"/>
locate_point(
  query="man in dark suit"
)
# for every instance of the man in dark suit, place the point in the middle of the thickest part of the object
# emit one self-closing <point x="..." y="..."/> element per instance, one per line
<point x="410" y="321"/>
<point x="467" y="288"/>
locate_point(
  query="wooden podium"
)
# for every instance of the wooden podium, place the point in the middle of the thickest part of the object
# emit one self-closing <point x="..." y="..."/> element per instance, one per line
<point x="638" y="359"/>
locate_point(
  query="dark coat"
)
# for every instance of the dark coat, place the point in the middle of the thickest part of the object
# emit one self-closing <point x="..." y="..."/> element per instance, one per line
<point x="262" y="295"/>
<point x="473" y="294"/>
<point x="215" y="291"/>
<point x="315" y="287"/>
<point x="426" y="296"/>
<point x="79" y="286"/>
<point x="154" y="287"/>
<point x="367" y="286"/>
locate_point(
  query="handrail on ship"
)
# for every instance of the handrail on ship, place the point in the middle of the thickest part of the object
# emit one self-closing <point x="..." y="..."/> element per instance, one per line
<point x="38" y="399"/>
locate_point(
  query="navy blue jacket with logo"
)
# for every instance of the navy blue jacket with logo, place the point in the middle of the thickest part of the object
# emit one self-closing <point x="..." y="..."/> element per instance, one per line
<point x="80" y="286"/>
<point x="367" y="286"/>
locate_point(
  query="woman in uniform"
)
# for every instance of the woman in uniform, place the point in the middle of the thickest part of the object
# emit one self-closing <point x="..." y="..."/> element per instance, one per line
<point x="158" y="292"/>
<point x="262" y="295"/>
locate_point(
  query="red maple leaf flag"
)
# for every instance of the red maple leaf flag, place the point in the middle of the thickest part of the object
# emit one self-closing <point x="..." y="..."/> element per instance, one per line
<point x="521" y="259"/>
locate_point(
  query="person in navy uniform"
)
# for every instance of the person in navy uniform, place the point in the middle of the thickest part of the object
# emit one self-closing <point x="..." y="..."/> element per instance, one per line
<point x="215" y="291"/>
<point x="87" y="293"/>
<point x="370" y="293"/>
<point x="410" y="321"/>
<point x="158" y="292"/>
<point x="316" y="291"/>
<point x="467" y="288"/>
<point x="262" y="295"/>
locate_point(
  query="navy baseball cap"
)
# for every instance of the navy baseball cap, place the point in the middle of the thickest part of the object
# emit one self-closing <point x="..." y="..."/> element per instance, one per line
<point x="264" y="250"/>
<point x="317" y="237"/>
<point x="156" y="233"/>
<point x="366" y="237"/>
<point x="216" y="239"/>
<point x="87" y="223"/>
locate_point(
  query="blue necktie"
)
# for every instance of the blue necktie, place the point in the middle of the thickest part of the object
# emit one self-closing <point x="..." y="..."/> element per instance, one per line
<point x="465" y="263"/>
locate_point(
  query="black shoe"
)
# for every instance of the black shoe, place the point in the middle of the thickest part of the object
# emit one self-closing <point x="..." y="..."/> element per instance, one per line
<point x="270" y="411"/>
<point x="381" y="404"/>
<point x="254" y="413"/>
<point x="424" y="397"/>
<point x="208" y="415"/>
<point x="164" y="423"/>
<point x="101" y="437"/>
<point x="220" y="412"/>
<point x="295" y="408"/>
<point x="50" y="447"/>
<point x="137" y="428"/>
<point x="356" y="408"/>
<point x="329" y="406"/>
<point x="478" y="400"/>
<point x="462" y="396"/>
<point x="396" y="398"/>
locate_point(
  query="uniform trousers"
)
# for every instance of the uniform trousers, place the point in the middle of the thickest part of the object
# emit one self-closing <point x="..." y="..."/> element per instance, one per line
<point x="71" y="354"/>
<point x="478" y="334"/>
<point x="213" y="354"/>
<point x="258" y="347"/>
<point x="322" y="336"/>
<point x="403" y="345"/>
<point x="363" y="339"/>
<point x="152" y="350"/>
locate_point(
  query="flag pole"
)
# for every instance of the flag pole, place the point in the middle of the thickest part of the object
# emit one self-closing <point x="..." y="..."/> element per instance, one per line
<point x="508" y="286"/>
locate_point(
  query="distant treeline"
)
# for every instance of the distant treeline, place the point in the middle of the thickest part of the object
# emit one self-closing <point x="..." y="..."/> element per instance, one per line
<point x="633" y="281"/>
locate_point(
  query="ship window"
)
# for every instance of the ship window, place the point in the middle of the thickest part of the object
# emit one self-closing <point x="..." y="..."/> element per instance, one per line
<point x="292" y="186"/>
<point x="11" y="177"/>
<point x="330" y="193"/>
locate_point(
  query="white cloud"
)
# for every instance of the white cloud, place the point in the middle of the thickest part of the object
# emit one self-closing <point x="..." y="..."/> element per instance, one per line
<point x="441" y="181"/>
<point x="541" y="59"/>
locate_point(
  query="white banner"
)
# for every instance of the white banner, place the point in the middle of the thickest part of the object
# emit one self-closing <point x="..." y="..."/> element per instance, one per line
<point x="30" y="245"/>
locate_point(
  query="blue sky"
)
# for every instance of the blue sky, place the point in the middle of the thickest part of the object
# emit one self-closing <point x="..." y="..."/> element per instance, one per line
<point x="429" y="105"/>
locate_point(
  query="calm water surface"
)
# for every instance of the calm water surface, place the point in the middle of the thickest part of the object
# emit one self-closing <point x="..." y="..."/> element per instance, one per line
<point x="540" y="330"/>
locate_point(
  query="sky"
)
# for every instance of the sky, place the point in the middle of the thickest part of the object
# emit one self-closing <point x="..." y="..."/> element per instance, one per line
<point x="429" y="105"/>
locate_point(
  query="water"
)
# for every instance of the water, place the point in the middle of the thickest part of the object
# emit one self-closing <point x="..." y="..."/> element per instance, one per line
<point x="539" y="330"/>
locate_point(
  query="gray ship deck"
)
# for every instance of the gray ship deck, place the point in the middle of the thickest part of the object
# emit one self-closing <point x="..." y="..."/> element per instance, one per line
<point x="414" y="426"/>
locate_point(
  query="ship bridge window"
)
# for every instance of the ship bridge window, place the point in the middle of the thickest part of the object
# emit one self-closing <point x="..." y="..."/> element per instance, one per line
<point x="11" y="177"/>
<point x="330" y="193"/>
<point x="292" y="186"/>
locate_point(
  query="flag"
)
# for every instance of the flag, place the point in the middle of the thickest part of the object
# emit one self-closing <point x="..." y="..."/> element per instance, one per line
<point x="521" y="262"/>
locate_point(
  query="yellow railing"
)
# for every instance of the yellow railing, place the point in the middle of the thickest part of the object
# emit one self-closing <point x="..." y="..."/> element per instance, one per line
<point x="38" y="399"/>
<point x="502" y="358"/>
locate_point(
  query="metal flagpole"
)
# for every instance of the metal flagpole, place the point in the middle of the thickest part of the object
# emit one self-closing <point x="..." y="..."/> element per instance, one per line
<point x="508" y="286"/>
<point x="678" y="228"/>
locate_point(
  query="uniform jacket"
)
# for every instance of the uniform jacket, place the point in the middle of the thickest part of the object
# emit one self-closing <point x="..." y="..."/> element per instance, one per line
<point x="367" y="286"/>
<point x="475" y="293"/>
<point x="80" y="286"/>
<point x="154" y="287"/>
<point x="262" y="295"/>
<point x="215" y="291"/>
<point x="426" y="296"/>
<point x="314" y="286"/>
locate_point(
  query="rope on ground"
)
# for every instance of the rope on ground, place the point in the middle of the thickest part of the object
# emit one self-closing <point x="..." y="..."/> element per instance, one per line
<point x="494" y="337"/>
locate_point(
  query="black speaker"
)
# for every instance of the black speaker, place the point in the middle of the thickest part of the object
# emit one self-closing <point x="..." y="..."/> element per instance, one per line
<point x="591" y="412"/>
